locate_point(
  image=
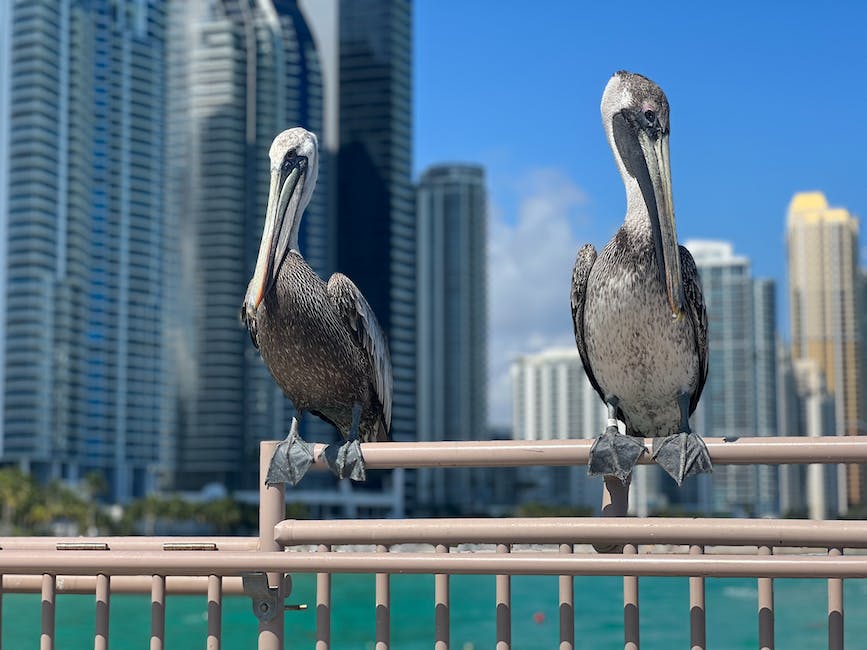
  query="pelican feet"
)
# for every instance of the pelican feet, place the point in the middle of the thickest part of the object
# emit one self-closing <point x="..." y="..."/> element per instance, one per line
<point x="615" y="454"/>
<point x="346" y="460"/>
<point x="291" y="460"/>
<point x="681" y="455"/>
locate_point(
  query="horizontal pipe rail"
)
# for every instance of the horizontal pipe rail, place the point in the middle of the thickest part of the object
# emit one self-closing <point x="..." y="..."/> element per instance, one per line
<point x="554" y="530"/>
<point x="514" y="453"/>
<point x="478" y="563"/>
<point x="82" y="584"/>
<point x="128" y="543"/>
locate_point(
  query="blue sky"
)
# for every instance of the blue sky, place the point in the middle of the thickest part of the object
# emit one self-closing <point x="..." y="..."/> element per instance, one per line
<point x="766" y="98"/>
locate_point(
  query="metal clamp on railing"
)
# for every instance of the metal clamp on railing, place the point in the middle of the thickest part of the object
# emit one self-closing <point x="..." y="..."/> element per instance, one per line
<point x="266" y="598"/>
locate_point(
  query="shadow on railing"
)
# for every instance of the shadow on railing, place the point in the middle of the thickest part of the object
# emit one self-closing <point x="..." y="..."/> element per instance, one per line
<point x="765" y="549"/>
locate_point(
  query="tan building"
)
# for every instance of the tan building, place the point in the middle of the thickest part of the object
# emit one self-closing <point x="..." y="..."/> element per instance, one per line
<point x="823" y="267"/>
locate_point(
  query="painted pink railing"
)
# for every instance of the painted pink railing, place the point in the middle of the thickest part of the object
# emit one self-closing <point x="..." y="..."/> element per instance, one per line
<point x="764" y="549"/>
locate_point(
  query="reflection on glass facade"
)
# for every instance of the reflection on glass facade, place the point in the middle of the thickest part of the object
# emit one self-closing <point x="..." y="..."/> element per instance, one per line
<point x="82" y="148"/>
<point x="376" y="213"/>
<point x="242" y="72"/>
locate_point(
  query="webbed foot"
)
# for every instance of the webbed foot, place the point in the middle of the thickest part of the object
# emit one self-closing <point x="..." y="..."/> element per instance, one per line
<point x="346" y="460"/>
<point x="681" y="455"/>
<point x="615" y="454"/>
<point x="291" y="459"/>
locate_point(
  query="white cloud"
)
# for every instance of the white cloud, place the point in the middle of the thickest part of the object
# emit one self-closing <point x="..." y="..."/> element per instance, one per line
<point x="531" y="253"/>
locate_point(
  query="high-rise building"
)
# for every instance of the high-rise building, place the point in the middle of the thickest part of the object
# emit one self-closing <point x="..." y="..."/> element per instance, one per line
<point x="376" y="214"/>
<point x="451" y="323"/>
<point x="242" y="71"/>
<point x="739" y="397"/>
<point x="807" y="409"/>
<point x="84" y="240"/>
<point x="823" y="266"/>
<point x="552" y="399"/>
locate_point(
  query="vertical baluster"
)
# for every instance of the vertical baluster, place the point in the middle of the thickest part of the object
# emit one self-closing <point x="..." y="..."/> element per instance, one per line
<point x="835" y="607"/>
<point x="766" y="607"/>
<point x="272" y="510"/>
<point x="697" y="619"/>
<point x="442" y="613"/>
<point x="215" y="612"/>
<point x="630" y="606"/>
<point x="103" y="596"/>
<point x="46" y="639"/>
<point x="158" y="612"/>
<point x="383" y="607"/>
<point x="504" y="606"/>
<point x="567" y="606"/>
<point x="323" y="606"/>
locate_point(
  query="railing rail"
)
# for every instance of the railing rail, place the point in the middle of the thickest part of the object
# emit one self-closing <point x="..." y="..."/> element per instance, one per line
<point x="696" y="548"/>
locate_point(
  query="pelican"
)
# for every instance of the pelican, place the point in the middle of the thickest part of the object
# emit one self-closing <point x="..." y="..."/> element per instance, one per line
<point x="321" y="341"/>
<point x="637" y="308"/>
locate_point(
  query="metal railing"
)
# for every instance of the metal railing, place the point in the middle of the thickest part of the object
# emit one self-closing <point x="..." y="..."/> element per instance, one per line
<point x="695" y="548"/>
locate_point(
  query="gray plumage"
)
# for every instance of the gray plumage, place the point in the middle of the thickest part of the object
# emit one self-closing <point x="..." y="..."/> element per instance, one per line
<point x="320" y="341"/>
<point x="637" y="308"/>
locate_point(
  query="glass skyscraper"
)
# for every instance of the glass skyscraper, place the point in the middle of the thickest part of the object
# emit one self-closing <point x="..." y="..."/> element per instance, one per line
<point x="739" y="397"/>
<point x="242" y="72"/>
<point x="83" y="240"/>
<point x="376" y="213"/>
<point x="451" y="294"/>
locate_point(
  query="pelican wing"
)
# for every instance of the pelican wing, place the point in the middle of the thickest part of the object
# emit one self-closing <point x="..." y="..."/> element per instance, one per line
<point x="697" y="314"/>
<point x="358" y="315"/>
<point x="250" y="323"/>
<point x="580" y="275"/>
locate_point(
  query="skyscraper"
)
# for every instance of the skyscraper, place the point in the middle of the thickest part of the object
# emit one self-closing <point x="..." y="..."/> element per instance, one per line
<point x="451" y="321"/>
<point x="242" y="72"/>
<point x="552" y="399"/>
<point x="807" y="409"/>
<point x="739" y="397"/>
<point x="823" y="265"/>
<point x="81" y="170"/>
<point x="376" y="214"/>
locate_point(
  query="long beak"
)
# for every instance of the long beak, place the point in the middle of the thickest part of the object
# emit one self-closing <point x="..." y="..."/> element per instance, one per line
<point x="280" y="234"/>
<point x="664" y="231"/>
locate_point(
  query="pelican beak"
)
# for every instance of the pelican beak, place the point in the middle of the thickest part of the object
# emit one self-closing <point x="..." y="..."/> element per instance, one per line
<point x="664" y="231"/>
<point x="282" y="220"/>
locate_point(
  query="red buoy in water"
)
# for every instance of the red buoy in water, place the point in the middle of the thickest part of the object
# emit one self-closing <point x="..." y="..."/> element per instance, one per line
<point x="538" y="618"/>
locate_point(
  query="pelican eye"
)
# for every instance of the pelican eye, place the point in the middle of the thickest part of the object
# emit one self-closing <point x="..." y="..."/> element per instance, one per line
<point x="650" y="116"/>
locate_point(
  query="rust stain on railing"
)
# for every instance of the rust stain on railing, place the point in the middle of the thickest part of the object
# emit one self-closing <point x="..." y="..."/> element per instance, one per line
<point x="766" y="549"/>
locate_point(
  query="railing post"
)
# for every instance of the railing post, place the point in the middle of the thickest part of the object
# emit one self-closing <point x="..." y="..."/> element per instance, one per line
<point x="323" y="606"/>
<point x="272" y="510"/>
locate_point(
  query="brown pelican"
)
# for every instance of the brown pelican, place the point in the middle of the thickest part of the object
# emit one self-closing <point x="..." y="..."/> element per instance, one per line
<point x="637" y="308"/>
<point x="321" y="342"/>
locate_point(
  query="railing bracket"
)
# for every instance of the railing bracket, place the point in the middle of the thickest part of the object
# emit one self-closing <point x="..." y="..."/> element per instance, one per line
<point x="265" y="598"/>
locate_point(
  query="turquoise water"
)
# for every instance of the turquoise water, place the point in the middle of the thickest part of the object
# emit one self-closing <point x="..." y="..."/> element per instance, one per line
<point x="731" y="615"/>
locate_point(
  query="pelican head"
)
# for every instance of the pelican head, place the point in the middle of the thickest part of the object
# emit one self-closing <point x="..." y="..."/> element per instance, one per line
<point x="294" y="166"/>
<point x="636" y="119"/>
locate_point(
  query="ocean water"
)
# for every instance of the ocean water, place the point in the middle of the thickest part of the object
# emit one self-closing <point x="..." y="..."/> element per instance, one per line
<point x="732" y="623"/>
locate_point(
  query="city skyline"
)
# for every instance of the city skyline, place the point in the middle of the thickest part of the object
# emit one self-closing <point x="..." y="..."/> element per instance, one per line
<point x="751" y="125"/>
